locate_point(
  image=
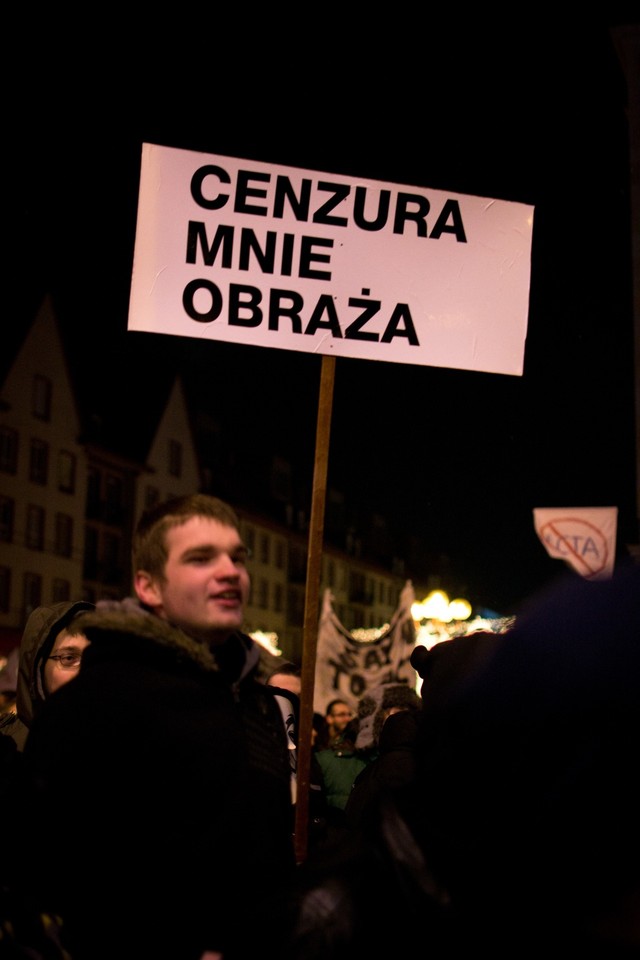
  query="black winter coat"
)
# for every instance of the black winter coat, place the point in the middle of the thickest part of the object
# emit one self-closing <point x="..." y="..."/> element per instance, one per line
<point x="158" y="797"/>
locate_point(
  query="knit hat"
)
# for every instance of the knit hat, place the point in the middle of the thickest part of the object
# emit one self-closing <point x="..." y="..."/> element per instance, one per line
<point x="372" y="708"/>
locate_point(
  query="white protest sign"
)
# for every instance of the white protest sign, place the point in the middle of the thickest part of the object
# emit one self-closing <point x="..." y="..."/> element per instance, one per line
<point x="288" y="258"/>
<point x="584" y="537"/>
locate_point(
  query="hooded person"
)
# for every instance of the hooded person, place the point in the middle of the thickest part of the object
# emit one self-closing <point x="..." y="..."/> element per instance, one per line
<point x="55" y="626"/>
<point x="48" y="657"/>
<point x="388" y="719"/>
<point x="527" y="788"/>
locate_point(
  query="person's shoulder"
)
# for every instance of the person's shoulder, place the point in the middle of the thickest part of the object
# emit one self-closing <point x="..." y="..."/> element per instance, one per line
<point x="7" y="720"/>
<point x="8" y="725"/>
<point x="13" y="730"/>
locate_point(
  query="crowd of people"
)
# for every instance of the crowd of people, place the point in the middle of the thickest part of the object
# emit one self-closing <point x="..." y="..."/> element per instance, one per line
<point x="150" y="772"/>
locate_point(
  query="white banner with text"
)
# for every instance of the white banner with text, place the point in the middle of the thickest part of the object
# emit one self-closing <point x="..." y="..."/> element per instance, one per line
<point x="288" y="258"/>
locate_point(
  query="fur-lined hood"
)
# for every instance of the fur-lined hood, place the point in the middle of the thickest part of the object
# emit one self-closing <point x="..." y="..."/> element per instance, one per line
<point x="114" y="619"/>
<point x="372" y="708"/>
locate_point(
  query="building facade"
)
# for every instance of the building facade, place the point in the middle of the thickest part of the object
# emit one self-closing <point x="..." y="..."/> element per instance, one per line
<point x="68" y="506"/>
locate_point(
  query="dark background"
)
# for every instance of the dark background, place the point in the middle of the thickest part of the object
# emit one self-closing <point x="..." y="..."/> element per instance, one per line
<point x="531" y="112"/>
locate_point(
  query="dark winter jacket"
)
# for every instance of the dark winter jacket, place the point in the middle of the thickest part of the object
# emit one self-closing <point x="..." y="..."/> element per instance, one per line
<point x="164" y="774"/>
<point x="392" y="739"/>
<point x="40" y="632"/>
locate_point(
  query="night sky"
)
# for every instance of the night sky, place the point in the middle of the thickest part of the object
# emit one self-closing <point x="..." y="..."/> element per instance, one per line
<point x="457" y="460"/>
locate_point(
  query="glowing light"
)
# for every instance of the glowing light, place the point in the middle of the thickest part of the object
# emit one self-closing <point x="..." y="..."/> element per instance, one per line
<point x="460" y="609"/>
<point x="267" y="640"/>
<point x="437" y="606"/>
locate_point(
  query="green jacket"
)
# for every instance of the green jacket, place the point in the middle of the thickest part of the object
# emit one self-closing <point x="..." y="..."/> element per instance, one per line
<point x="340" y="765"/>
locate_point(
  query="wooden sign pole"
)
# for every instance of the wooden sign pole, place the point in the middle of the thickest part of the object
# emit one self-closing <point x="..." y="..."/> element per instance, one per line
<point x="312" y="605"/>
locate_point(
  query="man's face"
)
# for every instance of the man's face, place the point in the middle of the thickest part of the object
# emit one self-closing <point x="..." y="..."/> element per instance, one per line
<point x="59" y="671"/>
<point x="206" y="582"/>
<point x="339" y="717"/>
<point x="286" y="681"/>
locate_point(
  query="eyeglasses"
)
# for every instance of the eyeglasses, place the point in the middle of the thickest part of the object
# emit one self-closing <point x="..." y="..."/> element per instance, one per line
<point x="66" y="660"/>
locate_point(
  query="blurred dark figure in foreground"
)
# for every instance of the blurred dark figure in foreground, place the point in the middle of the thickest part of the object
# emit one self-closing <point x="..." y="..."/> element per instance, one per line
<point x="528" y="794"/>
<point x="520" y="836"/>
<point x="388" y="720"/>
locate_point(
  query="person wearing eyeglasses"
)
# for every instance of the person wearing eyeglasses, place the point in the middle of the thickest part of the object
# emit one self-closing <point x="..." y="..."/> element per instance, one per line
<point x="51" y="649"/>
<point x="338" y="716"/>
<point x="49" y="656"/>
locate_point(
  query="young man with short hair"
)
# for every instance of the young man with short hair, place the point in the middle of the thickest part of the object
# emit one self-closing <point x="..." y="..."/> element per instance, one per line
<point x="165" y="763"/>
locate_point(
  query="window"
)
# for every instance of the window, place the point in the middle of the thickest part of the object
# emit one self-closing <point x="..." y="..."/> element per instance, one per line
<point x="32" y="598"/>
<point x="110" y="557"/>
<point x="297" y="564"/>
<point x="175" y="458"/>
<point x="278" y="598"/>
<point x="64" y="535"/>
<point x="265" y="551"/>
<point x="94" y="494"/>
<point x="280" y="554"/>
<point x="7" y="513"/>
<point x="35" y="527"/>
<point x="263" y="598"/>
<point x="114" y="506"/>
<point x="250" y="539"/>
<point x="8" y="450"/>
<point x="5" y="589"/>
<point x="41" y="398"/>
<point x="38" y="461"/>
<point x="66" y="471"/>
<point x="90" y="563"/>
<point x="61" y="590"/>
<point x="295" y="603"/>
